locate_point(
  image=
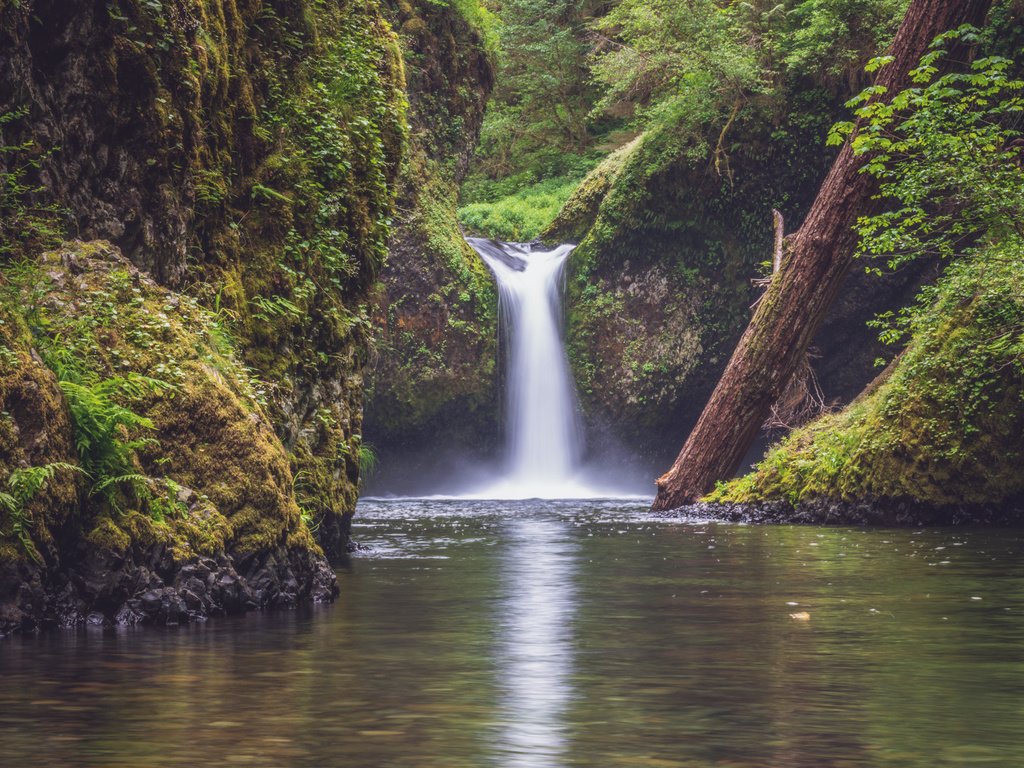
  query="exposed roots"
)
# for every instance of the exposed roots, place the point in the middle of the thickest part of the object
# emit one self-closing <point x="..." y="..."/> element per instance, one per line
<point x="801" y="401"/>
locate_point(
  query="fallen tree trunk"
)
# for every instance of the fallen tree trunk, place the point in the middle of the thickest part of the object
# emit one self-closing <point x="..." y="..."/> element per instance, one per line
<point x="816" y="259"/>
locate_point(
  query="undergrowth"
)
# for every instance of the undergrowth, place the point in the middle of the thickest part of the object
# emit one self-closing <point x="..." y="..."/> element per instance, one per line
<point x="23" y="484"/>
<point x="945" y="427"/>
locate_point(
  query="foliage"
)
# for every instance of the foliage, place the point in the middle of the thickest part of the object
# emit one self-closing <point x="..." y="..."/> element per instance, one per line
<point x="666" y="51"/>
<point x="28" y="222"/>
<point x="707" y="56"/>
<point x="944" y="423"/>
<point x="336" y="129"/>
<point x="538" y="130"/>
<point x="701" y="68"/>
<point x="480" y="18"/>
<point x="543" y="95"/>
<point x="944" y="427"/>
<point x="831" y="40"/>
<point x="367" y="460"/>
<point x="947" y="152"/>
<point x="522" y="215"/>
<point x="108" y="435"/>
<point x="22" y="486"/>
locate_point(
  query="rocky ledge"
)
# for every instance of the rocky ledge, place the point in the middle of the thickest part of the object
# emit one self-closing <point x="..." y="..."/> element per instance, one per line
<point x="879" y="512"/>
<point x="147" y="587"/>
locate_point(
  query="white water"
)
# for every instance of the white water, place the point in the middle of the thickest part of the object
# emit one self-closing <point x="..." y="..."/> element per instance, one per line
<point x="544" y="445"/>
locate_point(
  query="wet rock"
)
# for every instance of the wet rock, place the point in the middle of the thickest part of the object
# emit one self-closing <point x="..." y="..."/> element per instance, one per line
<point x="879" y="512"/>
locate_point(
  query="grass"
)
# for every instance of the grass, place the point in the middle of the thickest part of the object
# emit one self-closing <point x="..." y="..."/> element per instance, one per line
<point x="521" y="215"/>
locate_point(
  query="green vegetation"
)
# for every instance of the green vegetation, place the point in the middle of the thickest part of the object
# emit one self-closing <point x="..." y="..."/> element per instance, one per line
<point x="578" y="79"/>
<point x="943" y="426"/>
<point x="198" y="432"/>
<point x="433" y="371"/>
<point x="538" y="139"/>
<point x="522" y="215"/>
<point x="944" y="423"/>
<point x="101" y="425"/>
<point x="952" y="139"/>
<point x="23" y="485"/>
<point x="28" y="222"/>
<point x="673" y="225"/>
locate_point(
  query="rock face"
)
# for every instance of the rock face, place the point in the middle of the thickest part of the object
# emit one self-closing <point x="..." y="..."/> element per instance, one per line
<point x="210" y="525"/>
<point x="434" y="379"/>
<point x="245" y="156"/>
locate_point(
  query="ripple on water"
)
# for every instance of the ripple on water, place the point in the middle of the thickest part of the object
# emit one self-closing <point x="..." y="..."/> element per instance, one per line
<point x="565" y="634"/>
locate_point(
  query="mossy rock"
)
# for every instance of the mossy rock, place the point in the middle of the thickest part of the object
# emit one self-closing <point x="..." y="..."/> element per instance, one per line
<point x="212" y="432"/>
<point x="210" y="481"/>
<point x="942" y="428"/>
<point x="672" y="229"/>
<point x="433" y="381"/>
<point x="34" y="431"/>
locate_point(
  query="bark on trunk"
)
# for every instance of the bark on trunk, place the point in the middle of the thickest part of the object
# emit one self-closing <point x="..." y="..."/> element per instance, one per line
<point x="817" y="259"/>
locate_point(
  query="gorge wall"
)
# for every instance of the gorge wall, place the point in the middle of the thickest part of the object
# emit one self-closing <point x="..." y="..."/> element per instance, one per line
<point x="227" y="171"/>
<point x="433" y="383"/>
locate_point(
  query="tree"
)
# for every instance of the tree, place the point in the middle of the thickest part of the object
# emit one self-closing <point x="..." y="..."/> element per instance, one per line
<point x="817" y="259"/>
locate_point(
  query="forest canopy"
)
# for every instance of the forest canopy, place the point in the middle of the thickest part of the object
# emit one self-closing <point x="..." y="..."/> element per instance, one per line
<point x="578" y="80"/>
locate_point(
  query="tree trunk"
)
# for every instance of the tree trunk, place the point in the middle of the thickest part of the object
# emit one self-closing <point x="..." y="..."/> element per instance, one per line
<point x="817" y="259"/>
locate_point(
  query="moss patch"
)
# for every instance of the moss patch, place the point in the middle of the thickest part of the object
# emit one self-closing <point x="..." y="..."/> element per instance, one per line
<point x="34" y="431"/>
<point x="946" y="424"/>
<point x="433" y="379"/>
<point x="218" y="477"/>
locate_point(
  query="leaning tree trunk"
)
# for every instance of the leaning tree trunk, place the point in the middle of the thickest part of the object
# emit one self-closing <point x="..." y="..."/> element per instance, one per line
<point x="818" y="257"/>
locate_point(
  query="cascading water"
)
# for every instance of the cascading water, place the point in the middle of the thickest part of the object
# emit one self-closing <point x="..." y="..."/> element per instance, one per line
<point x="545" y="441"/>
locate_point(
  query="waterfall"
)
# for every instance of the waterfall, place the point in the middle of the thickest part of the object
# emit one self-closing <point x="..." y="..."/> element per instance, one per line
<point x="544" y="437"/>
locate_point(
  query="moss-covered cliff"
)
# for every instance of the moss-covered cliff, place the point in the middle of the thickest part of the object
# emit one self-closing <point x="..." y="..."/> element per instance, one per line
<point x="433" y="382"/>
<point x="939" y="437"/>
<point x="659" y="285"/>
<point x="176" y="465"/>
<point x="245" y="157"/>
<point x="672" y="227"/>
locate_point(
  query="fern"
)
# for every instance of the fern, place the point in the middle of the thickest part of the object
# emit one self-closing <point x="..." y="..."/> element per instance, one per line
<point x="108" y="435"/>
<point x="23" y="485"/>
<point x="367" y="460"/>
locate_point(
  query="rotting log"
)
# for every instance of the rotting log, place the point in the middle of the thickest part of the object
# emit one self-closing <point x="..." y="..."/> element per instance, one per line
<point x="815" y="260"/>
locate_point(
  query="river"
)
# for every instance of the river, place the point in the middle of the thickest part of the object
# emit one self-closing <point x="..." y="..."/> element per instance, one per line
<point x="557" y="634"/>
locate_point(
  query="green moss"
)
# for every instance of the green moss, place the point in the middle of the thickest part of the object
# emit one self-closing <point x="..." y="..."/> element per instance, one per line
<point x="945" y="424"/>
<point x="579" y="211"/>
<point x="659" y="286"/>
<point x="218" y="476"/>
<point x="266" y="144"/>
<point x="436" y="315"/>
<point x="34" y="432"/>
<point x="522" y="215"/>
<point x="107" y="536"/>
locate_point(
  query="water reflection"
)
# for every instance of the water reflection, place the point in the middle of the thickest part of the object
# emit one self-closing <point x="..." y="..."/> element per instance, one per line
<point x="536" y="642"/>
<point x="564" y="635"/>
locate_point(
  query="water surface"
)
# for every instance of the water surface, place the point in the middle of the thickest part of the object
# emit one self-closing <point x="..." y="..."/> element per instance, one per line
<point x="565" y="634"/>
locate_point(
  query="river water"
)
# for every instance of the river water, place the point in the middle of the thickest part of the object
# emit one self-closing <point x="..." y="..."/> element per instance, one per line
<point x="564" y="634"/>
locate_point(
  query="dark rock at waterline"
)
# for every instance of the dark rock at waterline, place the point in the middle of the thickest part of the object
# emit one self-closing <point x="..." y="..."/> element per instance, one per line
<point x="878" y="512"/>
<point x="105" y="589"/>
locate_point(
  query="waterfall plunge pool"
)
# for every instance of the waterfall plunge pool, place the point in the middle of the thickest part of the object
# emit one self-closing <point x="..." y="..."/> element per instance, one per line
<point x="556" y="634"/>
<point x="561" y="633"/>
